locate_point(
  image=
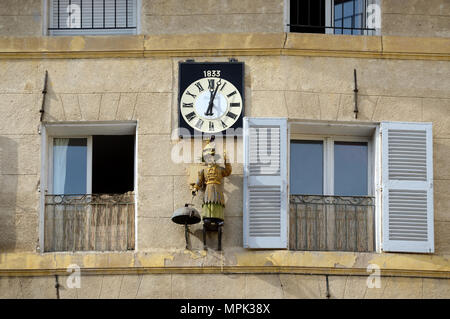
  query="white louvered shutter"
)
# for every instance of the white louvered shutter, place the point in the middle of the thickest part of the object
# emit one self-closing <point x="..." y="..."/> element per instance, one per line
<point x="117" y="15"/>
<point x="407" y="186"/>
<point x="265" y="187"/>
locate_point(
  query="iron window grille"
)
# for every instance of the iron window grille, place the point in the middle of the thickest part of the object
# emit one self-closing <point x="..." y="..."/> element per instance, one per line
<point x="96" y="17"/>
<point x="332" y="223"/>
<point x="89" y="222"/>
<point x="330" y="16"/>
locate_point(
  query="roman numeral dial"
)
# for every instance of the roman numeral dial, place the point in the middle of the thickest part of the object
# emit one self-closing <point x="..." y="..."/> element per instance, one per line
<point x="211" y="104"/>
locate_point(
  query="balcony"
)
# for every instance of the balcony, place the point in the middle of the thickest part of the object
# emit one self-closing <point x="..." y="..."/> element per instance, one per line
<point x="93" y="222"/>
<point x="332" y="223"/>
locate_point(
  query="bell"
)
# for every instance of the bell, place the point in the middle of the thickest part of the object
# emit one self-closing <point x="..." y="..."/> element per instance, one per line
<point x="186" y="216"/>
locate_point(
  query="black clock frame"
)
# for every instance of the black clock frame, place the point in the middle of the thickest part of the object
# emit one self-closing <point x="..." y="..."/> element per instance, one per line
<point x="190" y="71"/>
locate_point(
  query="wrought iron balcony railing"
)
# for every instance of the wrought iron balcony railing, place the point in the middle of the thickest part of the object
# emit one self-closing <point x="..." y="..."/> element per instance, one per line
<point x="96" y="222"/>
<point x="332" y="223"/>
<point x="92" y="16"/>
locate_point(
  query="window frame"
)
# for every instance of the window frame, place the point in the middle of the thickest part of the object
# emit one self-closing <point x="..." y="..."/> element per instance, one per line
<point x="328" y="158"/>
<point x="50" y="160"/>
<point x="329" y="17"/>
<point x="352" y="132"/>
<point x="49" y="131"/>
<point x="378" y="135"/>
<point x="46" y="22"/>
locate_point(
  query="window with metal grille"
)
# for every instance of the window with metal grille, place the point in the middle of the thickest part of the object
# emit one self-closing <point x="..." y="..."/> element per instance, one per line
<point x="89" y="202"/>
<point x="347" y="187"/>
<point x="92" y="17"/>
<point x="332" y="16"/>
<point x="331" y="207"/>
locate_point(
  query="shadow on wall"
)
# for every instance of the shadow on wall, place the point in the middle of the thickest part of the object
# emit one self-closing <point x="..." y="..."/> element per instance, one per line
<point x="8" y="194"/>
<point x="53" y="109"/>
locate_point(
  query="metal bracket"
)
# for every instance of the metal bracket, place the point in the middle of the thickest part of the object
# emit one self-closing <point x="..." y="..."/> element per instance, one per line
<point x="356" y="94"/>
<point x="186" y="235"/>
<point x="44" y="92"/>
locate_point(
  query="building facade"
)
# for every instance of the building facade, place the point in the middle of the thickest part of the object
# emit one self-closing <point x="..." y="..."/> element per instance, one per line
<point x="340" y="183"/>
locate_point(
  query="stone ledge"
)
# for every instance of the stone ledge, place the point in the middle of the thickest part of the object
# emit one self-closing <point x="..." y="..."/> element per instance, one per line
<point x="239" y="261"/>
<point x="73" y="44"/>
<point x="330" y="42"/>
<point x="415" y="45"/>
<point x="225" y="41"/>
<point x="228" y="44"/>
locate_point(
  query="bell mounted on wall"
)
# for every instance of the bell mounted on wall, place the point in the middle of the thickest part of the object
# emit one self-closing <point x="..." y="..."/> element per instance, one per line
<point x="186" y="216"/>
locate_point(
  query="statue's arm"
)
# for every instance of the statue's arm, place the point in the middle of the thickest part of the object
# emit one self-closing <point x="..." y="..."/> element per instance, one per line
<point x="227" y="170"/>
<point x="200" y="181"/>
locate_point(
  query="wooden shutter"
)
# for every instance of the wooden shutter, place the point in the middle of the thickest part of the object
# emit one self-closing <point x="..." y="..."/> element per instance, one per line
<point x="265" y="187"/>
<point x="117" y="15"/>
<point x="407" y="187"/>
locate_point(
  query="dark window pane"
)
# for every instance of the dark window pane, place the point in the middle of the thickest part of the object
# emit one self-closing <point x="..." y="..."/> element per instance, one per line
<point x="306" y="168"/>
<point x="112" y="164"/>
<point x="307" y="16"/>
<point x="350" y="169"/>
<point x="69" y="165"/>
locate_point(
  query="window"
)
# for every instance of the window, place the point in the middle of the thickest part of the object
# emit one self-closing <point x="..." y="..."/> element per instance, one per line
<point x="89" y="198"/>
<point x="351" y="168"/>
<point x="306" y="167"/>
<point x="331" y="16"/>
<point x="99" y="164"/>
<point x="307" y="16"/>
<point x="339" y="187"/>
<point x="329" y="185"/>
<point x="92" y="17"/>
<point x="349" y="164"/>
<point x="69" y="160"/>
<point x="349" y="16"/>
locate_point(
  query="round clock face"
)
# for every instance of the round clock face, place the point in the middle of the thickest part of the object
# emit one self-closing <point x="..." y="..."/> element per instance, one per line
<point x="211" y="105"/>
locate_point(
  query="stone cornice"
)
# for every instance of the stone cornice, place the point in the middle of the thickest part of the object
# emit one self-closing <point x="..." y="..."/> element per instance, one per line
<point x="233" y="44"/>
<point x="241" y="261"/>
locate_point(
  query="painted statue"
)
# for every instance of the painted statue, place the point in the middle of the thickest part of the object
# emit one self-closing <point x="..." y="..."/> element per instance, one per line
<point x="210" y="179"/>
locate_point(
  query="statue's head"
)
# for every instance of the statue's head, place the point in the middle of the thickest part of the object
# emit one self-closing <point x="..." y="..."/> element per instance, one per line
<point x="209" y="152"/>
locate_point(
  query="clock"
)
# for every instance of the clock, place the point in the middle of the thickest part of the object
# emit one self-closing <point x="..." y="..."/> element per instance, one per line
<point x="211" y="96"/>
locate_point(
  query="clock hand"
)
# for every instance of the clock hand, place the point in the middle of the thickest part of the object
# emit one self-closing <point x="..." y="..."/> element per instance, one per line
<point x="211" y="97"/>
<point x="211" y="100"/>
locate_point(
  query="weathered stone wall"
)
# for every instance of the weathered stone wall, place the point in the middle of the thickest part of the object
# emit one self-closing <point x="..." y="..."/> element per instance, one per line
<point x="418" y="18"/>
<point x="206" y="16"/>
<point x="145" y="89"/>
<point x="21" y="18"/>
<point x="24" y="17"/>
<point x="236" y="286"/>
<point x="425" y="18"/>
<point x="310" y="87"/>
